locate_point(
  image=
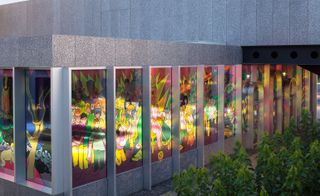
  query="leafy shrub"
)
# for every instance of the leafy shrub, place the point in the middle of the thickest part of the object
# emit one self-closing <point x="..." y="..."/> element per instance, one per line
<point x="288" y="163"/>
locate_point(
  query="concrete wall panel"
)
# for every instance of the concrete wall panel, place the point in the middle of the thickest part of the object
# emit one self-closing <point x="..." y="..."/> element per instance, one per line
<point x="249" y="22"/>
<point x="233" y="22"/>
<point x="98" y="188"/>
<point x="130" y="182"/>
<point x="298" y="21"/>
<point x="161" y="171"/>
<point x="314" y="24"/>
<point x="280" y="24"/>
<point x="188" y="158"/>
<point x="264" y="22"/>
<point x="219" y="21"/>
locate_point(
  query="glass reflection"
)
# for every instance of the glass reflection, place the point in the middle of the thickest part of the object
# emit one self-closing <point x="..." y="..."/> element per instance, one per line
<point x="128" y="119"/>
<point x="160" y="113"/>
<point x="229" y="101"/>
<point x="6" y="123"/>
<point x="211" y="105"/>
<point x="188" y="101"/>
<point x="38" y="127"/>
<point x="88" y="126"/>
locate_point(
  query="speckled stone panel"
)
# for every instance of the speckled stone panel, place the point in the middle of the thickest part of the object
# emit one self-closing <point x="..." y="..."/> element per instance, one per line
<point x="161" y="171"/>
<point x="105" y="51"/>
<point x="229" y="144"/>
<point x="188" y="158"/>
<point x="280" y="20"/>
<point x="9" y="52"/>
<point x="8" y="188"/>
<point x="264" y="22"/>
<point x="299" y="21"/>
<point x="63" y="50"/>
<point x="314" y="24"/>
<point x="35" y="51"/>
<point x="209" y="150"/>
<point x="219" y="20"/>
<point x="85" y="51"/>
<point x="130" y="182"/>
<point x="123" y="52"/>
<point x="98" y="188"/>
<point x="248" y="22"/>
<point x="233" y="22"/>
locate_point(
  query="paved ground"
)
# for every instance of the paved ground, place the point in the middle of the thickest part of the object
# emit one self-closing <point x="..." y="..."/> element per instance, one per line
<point x="163" y="189"/>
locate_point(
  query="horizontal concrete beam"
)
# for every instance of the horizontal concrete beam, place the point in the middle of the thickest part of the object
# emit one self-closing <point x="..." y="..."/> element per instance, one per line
<point x="68" y="51"/>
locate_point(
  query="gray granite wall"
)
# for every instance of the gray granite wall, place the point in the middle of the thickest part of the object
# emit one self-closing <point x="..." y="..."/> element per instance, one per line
<point x="209" y="150"/>
<point x="130" y="182"/>
<point x="161" y="171"/>
<point x="97" y="188"/>
<point x="231" y="22"/>
<point x="61" y="50"/>
<point x="188" y="158"/>
<point x="12" y="189"/>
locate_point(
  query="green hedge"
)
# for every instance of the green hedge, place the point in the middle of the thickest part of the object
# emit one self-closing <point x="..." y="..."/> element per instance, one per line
<point x="287" y="164"/>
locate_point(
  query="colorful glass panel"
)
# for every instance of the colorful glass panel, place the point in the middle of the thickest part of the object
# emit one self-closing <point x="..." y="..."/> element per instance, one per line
<point x="229" y="101"/>
<point x="6" y="123"/>
<point x="128" y="119"/>
<point x="210" y="105"/>
<point x="88" y="126"/>
<point x="161" y="113"/>
<point x="38" y="127"/>
<point x="188" y="108"/>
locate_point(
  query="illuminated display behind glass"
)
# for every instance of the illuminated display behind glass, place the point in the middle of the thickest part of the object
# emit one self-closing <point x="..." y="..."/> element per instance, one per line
<point x="246" y="79"/>
<point x="128" y="119"/>
<point x="188" y="108"/>
<point x="211" y="105"/>
<point x="229" y="101"/>
<point x="88" y="126"/>
<point x="160" y="113"/>
<point x="6" y="123"/>
<point x="38" y="127"/>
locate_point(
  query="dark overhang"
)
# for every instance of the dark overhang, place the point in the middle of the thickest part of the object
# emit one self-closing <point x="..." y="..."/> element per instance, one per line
<point x="307" y="56"/>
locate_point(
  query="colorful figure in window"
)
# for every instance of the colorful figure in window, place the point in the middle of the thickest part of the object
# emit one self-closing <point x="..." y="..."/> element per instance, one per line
<point x="128" y="119"/>
<point x="160" y="113"/>
<point x="6" y="123"/>
<point x="88" y="126"/>
<point x="38" y="157"/>
<point x="188" y="96"/>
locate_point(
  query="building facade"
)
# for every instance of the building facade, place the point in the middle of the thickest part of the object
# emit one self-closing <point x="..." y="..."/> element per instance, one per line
<point x="83" y="113"/>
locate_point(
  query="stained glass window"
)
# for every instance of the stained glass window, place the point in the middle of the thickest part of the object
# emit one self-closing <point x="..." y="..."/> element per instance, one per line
<point x="88" y="126"/>
<point x="188" y="108"/>
<point x="229" y="101"/>
<point x="246" y="79"/>
<point x="6" y="123"/>
<point x="211" y="105"/>
<point x="38" y="127"/>
<point x="160" y="113"/>
<point x="128" y="119"/>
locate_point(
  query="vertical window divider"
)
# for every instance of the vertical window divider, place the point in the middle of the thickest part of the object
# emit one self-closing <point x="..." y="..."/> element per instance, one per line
<point x="61" y="130"/>
<point x="267" y="99"/>
<point x="299" y="92"/>
<point x="220" y="108"/>
<point x="19" y="125"/>
<point x="200" y="116"/>
<point x="238" y="102"/>
<point x="111" y="133"/>
<point x="175" y="119"/>
<point x="146" y="126"/>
